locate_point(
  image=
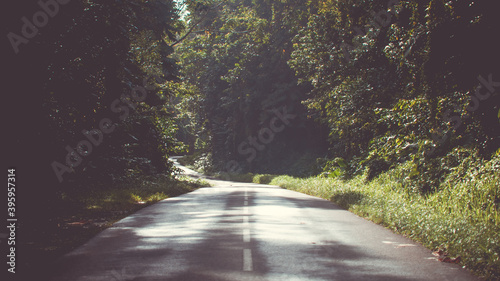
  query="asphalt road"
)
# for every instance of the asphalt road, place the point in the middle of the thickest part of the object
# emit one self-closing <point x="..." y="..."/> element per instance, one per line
<point x="239" y="231"/>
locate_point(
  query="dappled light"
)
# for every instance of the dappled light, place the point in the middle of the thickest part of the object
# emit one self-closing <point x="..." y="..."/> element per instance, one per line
<point x="250" y="140"/>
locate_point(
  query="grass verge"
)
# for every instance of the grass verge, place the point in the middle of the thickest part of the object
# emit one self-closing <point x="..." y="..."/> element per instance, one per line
<point x="462" y="219"/>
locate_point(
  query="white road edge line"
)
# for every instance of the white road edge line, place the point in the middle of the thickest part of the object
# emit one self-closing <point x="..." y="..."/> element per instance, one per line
<point x="247" y="260"/>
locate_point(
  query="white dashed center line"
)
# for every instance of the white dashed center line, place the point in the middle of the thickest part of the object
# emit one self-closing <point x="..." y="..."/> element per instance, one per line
<point x="247" y="253"/>
<point x="247" y="260"/>
<point x="246" y="235"/>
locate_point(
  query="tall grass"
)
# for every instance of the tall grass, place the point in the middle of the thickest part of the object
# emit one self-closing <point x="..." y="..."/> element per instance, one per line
<point x="126" y="195"/>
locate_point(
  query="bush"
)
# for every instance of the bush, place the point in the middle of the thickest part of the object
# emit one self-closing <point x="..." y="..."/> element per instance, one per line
<point x="248" y="177"/>
<point x="263" y="178"/>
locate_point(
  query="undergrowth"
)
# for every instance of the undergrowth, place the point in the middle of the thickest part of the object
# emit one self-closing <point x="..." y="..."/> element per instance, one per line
<point x="462" y="218"/>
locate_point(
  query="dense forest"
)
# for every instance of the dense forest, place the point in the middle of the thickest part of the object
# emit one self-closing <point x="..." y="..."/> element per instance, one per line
<point x="105" y="91"/>
<point x="257" y="85"/>
<point x="365" y="85"/>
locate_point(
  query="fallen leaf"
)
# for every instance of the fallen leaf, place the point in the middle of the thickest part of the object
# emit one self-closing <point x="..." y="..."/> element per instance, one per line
<point x="449" y="260"/>
<point x="440" y="252"/>
<point x="78" y="223"/>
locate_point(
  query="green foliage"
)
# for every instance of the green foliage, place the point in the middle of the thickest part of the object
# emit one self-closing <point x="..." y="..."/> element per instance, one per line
<point x="77" y="71"/>
<point x="390" y="88"/>
<point x="396" y="87"/>
<point x="199" y="161"/>
<point x="246" y="177"/>
<point x="204" y="163"/>
<point x="263" y="179"/>
<point x="235" y="58"/>
<point x="334" y="168"/>
<point x="94" y="56"/>
<point x="138" y="189"/>
<point x="348" y="86"/>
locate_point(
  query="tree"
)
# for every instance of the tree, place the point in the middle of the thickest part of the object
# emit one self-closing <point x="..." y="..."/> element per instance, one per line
<point x="237" y="58"/>
<point x="393" y="81"/>
<point x="78" y="69"/>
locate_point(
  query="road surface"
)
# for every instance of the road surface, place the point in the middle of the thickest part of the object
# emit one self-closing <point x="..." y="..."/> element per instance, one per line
<point x="240" y="231"/>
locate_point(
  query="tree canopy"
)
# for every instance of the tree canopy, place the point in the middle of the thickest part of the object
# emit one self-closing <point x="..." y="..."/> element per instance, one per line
<point x="257" y="85"/>
<point x="383" y="82"/>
